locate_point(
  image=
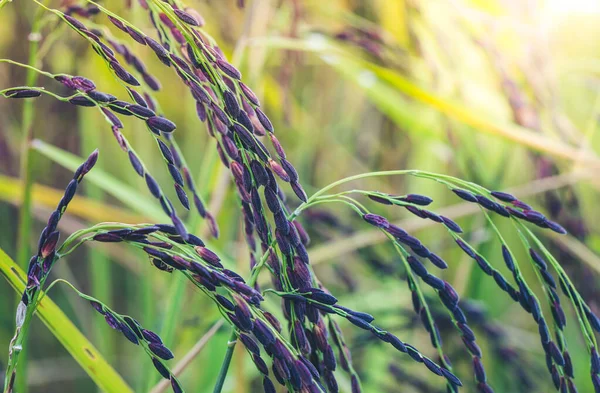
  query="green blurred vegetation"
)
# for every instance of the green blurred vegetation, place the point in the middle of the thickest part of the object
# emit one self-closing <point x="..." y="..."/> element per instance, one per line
<point x="502" y="93"/>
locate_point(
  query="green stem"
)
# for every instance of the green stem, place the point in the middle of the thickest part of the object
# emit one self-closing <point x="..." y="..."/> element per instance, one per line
<point x="26" y="173"/>
<point x="226" y="362"/>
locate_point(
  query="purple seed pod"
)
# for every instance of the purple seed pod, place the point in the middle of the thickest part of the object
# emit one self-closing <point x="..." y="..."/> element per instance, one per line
<point x="98" y="307"/>
<point x="175" y="385"/>
<point x="228" y="69"/>
<point x="159" y="50"/>
<point x="165" y="151"/>
<point x="157" y="124"/>
<point x="249" y="94"/>
<point x="321" y="296"/>
<point x="128" y="333"/>
<point x="556" y="354"/>
<point x="151" y="81"/>
<point x="508" y="259"/>
<point x="115" y="121"/>
<point x="433" y="282"/>
<point x="231" y="103"/>
<point x="140" y="111"/>
<point x="182" y="196"/>
<point x="450" y="224"/>
<point x="299" y="191"/>
<point x="416" y="199"/>
<point x="111" y="320"/>
<point x="376" y="220"/>
<point x="174" y="172"/>
<point x="50" y="244"/>
<point x="117" y="23"/>
<point x="207" y="255"/>
<point x="82" y="101"/>
<point x="82" y="83"/>
<point x="437" y="261"/>
<point x="74" y="22"/>
<point x="434" y="368"/>
<point x="101" y="97"/>
<point x="417" y="266"/>
<point x="264" y="120"/>
<point x="466" y="248"/>
<point x="186" y="18"/>
<point x="152" y="185"/>
<point x="107" y="238"/>
<point x="259" y="173"/>
<point x="379" y="199"/>
<point x="485" y="202"/>
<point x="22" y="93"/>
<point x="539" y="261"/>
<point x="220" y="114"/>
<point x="199" y="95"/>
<point x="160" y="350"/>
<point x="279" y="171"/>
<point x="273" y="203"/>
<point x="123" y="74"/>
<point x="515" y="213"/>
<point x="556" y="227"/>
<point x="250" y="344"/>
<point x="162" y="370"/>
<point x="416" y="211"/>
<point x="503" y="196"/>
<point x="534" y="217"/>
<point x="119" y="107"/>
<point x="136" y="163"/>
<point x="136" y="35"/>
<point x="464" y="194"/>
<point x="396" y="231"/>
<point x="290" y="170"/>
<point x="243" y="319"/>
<point x="137" y="97"/>
<point x="263" y="333"/>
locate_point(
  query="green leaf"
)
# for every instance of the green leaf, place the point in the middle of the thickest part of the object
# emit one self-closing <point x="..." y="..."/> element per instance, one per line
<point x="67" y="334"/>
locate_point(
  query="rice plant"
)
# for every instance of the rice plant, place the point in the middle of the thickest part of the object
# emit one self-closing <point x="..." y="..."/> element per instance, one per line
<point x="299" y="333"/>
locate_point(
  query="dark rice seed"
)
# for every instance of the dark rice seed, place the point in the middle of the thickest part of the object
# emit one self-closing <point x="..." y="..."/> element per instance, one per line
<point x="123" y="74"/>
<point x="182" y="196"/>
<point x="508" y="259"/>
<point x="77" y="24"/>
<point x="450" y="224"/>
<point x="229" y="69"/>
<point x="82" y="101"/>
<point x="152" y="186"/>
<point x="264" y="120"/>
<point x="187" y="18"/>
<point x="136" y="163"/>
<point x="503" y="196"/>
<point x="22" y="93"/>
<point x="464" y="194"/>
<point x="137" y="36"/>
<point x="231" y="103"/>
<point x="140" y="111"/>
<point x="162" y="370"/>
<point x="157" y="124"/>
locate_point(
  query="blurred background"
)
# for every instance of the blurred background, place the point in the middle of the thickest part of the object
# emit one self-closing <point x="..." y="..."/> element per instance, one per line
<point x="501" y="93"/>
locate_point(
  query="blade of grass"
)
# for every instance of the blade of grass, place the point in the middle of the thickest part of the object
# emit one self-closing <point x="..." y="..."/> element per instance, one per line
<point x="67" y="334"/>
<point x="383" y="86"/>
<point x="11" y="189"/>
<point x="27" y="174"/>
<point x="100" y="264"/>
